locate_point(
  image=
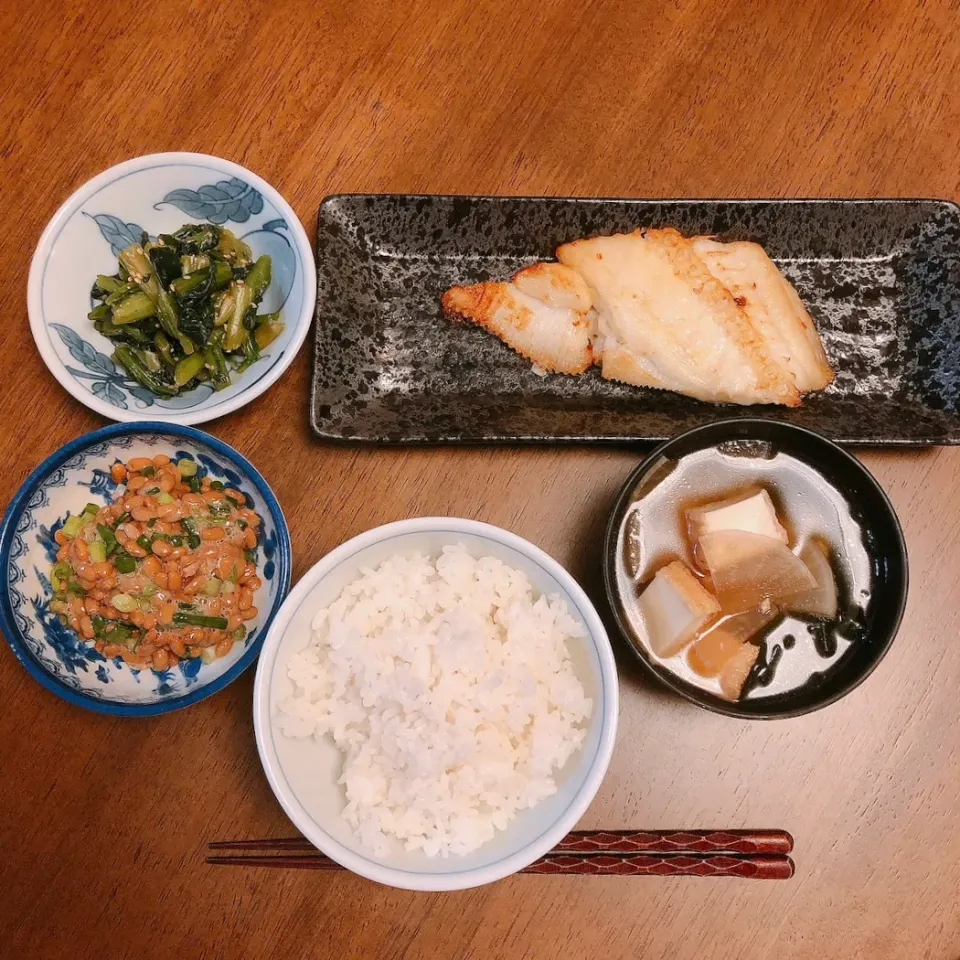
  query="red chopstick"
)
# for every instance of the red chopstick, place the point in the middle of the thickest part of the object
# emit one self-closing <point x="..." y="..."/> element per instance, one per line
<point x="752" y="854"/>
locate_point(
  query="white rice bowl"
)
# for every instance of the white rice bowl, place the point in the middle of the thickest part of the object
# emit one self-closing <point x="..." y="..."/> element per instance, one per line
<point x="450" y="691"/>
<point x="527" y="643"/>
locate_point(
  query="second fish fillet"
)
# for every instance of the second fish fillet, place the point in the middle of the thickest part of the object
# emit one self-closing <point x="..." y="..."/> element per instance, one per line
<point x="666" y="321"/>
<point x="772" y="305"/>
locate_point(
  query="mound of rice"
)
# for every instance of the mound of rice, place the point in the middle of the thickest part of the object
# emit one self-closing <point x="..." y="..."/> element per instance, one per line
<point x="450" y="691"/>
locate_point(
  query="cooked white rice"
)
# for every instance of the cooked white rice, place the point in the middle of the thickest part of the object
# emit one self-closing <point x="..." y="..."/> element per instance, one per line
<point x="450" y="691"/>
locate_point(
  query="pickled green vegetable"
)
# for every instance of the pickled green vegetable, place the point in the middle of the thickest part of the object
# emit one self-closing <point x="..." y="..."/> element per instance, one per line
<point x="181" y="310"/>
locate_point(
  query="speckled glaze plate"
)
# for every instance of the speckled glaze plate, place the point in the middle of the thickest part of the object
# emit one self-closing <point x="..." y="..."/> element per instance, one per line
<point x="880" y="277"/>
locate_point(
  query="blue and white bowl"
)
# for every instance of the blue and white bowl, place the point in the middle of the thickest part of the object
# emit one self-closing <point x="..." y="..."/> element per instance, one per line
<point x="157" y="194"/>
<point x="77" y="474"/>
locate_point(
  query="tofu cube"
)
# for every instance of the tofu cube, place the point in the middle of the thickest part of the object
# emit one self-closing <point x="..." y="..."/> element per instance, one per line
<point x="751" y="512"/>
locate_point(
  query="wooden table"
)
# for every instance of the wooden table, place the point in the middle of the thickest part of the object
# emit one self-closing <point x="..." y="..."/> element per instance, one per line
<point x="103" y="822"/>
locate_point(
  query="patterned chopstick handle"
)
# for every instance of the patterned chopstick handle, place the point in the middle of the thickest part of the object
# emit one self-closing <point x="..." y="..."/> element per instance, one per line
<point x="676" y="841"/>
<point x="644" y="865"/>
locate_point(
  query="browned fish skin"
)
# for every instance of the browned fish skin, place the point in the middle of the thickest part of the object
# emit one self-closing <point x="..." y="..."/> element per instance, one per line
<point x="543" y="313"/>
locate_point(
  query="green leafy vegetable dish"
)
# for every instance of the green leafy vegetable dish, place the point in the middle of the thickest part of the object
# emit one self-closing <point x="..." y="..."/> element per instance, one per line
<point x="182" y="309"/>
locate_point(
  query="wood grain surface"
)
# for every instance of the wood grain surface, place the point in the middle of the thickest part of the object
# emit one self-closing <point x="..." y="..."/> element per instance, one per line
<point x="103" y="822"/>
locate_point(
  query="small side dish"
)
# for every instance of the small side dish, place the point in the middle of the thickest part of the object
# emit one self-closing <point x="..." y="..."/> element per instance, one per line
<point x="165" y="572"/>
<point x="714" y="321"/>
<point x="182" y="309"/>
<point x="448" y="686"/>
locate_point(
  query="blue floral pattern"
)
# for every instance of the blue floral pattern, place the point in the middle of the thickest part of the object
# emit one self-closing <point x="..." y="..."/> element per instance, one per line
<point x="33" y="549"/>
<point x="108" y="383"/>
<point x="217" y="202"/>
<point x="117" y="233"/>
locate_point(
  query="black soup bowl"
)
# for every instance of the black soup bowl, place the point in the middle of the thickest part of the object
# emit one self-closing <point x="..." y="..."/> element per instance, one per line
<point x="874" y="594"/>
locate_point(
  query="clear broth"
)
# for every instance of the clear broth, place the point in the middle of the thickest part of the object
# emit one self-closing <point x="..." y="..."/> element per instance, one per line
<point x="795" y="651"/>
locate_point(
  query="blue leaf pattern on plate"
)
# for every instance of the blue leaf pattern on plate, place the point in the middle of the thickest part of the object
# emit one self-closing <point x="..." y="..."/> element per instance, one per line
<point x="107" y="391"/>
<point x="50" y="545"/>
<point x="110" y="384"/>
<point x="84" y="353"/>
<point x="190" y="669"/>
<point x="101" y="484"/>
<point x="217" y="202"/>
<point x="269" y="549"/>
<point x="117" y="233"/>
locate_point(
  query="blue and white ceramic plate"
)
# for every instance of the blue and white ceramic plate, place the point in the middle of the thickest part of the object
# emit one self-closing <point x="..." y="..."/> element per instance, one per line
<point x="157" y="194"/>
<point x="77" y="474"/>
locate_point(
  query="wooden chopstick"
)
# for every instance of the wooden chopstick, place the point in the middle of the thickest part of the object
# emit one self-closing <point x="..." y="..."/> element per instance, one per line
<point x="753" y="854"/>
<point x="580" y="842"/>
<point x="606" y="864"/>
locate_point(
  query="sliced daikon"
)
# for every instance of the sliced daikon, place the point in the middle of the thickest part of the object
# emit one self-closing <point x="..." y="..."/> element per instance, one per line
<point x="720" y="642"/>
<point x="821" y="601"/>
<point x="736" y="670"/>
<point x="674" y="607"/>
<point x="747" y="568"/>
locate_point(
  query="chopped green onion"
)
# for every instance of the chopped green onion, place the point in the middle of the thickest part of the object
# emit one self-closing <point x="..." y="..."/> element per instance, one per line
<point x="124" y="564"/>
<point x="73" y="525"/>
<point x="123" y="518"/>
<point x="144" y="541"/>
<point x="120" y="632"/>
<point x="124" y="602"/>
<point x="217" y="485"/>
<point x="148" y="472"/>
<point x="109" y="538"/>
<point x="193" y="541"/>
<point x="181" y="618"/>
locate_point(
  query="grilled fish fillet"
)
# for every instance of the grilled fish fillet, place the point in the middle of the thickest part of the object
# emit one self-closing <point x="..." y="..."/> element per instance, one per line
<point x="772" y="305"/>
<point x="544" y="313"/>
<point x="666" y="321"/>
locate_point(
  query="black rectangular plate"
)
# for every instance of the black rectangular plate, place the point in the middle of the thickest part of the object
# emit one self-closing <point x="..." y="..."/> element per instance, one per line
<point x="880" y="277"/>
